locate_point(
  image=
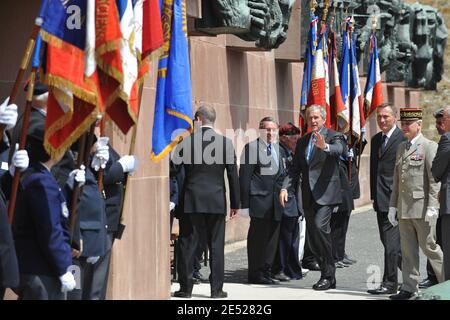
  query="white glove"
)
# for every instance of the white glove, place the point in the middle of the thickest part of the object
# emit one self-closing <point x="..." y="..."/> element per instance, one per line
<point x="171" y="206"/>
<point x="101" y="155"/>
<point x="19" y="160"/>
<point x="431" y="216"/>
<point x="244" y="212"/>
<point x="78" y="175"/>
<point x="92" y="260"/>
<point x="350" y="153"/>
<point x="129" y="163"/>
<point x="67" y="282"/>
<point x="392" y="216"/>
<point x="8" y="114"/>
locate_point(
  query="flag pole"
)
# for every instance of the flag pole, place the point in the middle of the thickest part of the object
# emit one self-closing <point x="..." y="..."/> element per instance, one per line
<point x="25" y="62"/>
<point x="350" y="132"/>
<point x="23" y="140"/>
<point x="83" y="158"/>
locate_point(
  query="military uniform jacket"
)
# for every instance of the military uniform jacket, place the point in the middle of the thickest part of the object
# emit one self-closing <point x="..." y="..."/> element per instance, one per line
<point x="414" y="188"/>
<point x="40" y="225"/>
<point x="291" y="206"/>
<point x="9" y="270"/>
<point x="441" y="171"/>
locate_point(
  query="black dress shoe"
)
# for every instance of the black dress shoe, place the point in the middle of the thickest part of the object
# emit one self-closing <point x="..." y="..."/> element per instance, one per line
<point x="262" y="280"/>
<point x="382" y="290"/>
<point x="219" y="295"/>
<point x="325" y="284"/>
<point x="402" y="295"/>
<point x="339" y="264"/>
<point x="313" y="266"/>
<point x="181" y="294"/>
<point x="427" y="283"/>
<point x="347" y="261"/>
<point x="281" y="276"/>
<point x="351" y="260"/>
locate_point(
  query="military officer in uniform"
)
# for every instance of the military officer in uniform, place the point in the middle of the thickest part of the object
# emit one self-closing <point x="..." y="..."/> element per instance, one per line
<point x="414" y="203"/>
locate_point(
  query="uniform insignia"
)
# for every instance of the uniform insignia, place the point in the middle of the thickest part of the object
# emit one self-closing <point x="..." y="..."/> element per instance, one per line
<point x="65" y="211"/>
<point x="417" y="157"/>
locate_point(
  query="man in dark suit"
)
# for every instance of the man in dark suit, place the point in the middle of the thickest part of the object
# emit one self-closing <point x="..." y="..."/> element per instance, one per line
<point x="205" y="156"/>
<point x="316" y="159"/>
<point x="441" y="173"/>
<point x="261" y="175"/>
<point x="382" y="162"/>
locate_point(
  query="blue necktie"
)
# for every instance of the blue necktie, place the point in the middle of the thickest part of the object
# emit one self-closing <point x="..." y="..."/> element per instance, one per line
<point x="310" y="148"/>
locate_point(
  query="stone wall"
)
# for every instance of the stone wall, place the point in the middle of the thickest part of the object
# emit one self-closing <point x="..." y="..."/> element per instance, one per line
<point x="433" y="100"/>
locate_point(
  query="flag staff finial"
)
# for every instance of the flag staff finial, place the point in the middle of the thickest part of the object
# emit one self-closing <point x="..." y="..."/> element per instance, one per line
<point x="313" y="6"/>
<point x="374" y="22"/>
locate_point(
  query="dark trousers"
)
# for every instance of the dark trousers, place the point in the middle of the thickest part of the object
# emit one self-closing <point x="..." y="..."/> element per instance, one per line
<point x="430" y="272"/>
<point x="445" y="232"/>
<point x="191" y="227"/>
<point x="318" y="220"/>
<point x="339" y="227"/>
<point x="2" y="293"/>
<point x="262" y="243"/>
<point x="198" y="256"/>
<point x="39" y="287"/>
<point x="308" y="256"/>
<point x="390" y="238"/>
<point x="287" y="254"/>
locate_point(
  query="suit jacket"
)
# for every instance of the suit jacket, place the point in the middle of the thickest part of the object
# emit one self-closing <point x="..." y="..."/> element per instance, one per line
<point x="114" y="180"/>
<point x="204" y="188"/>
<point x="321" y="175"/>
<point x="40" y="225"/>
<point x="382" y="168"/>
<point x="441" y="172"/>
<point x="291" y="208"/>
<point x="414" y="187"/>
<point x="261" y="178"/>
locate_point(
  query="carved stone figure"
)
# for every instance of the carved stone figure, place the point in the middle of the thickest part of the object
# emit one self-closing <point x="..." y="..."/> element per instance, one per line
<point x="263" y="21"/>
<point x="411" y="37"/>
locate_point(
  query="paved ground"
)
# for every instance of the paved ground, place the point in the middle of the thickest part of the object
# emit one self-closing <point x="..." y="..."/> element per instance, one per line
<point x="363" y="244"/>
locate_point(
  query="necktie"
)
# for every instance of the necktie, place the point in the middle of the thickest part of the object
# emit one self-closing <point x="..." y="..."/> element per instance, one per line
<point x="310" y="148"/>
<point x="269" y="150"/>
<point x="383" y="142"/>
<point x="408" y="145"/>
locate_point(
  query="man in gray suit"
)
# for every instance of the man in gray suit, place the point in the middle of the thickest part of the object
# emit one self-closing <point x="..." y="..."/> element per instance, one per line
<point x="317" y="160"/>
<point x="382" y="162"/>
<point x="414" y="200"/>
<point x="441" y="173"/>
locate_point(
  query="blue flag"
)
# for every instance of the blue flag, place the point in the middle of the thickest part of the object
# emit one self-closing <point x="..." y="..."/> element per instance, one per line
<point x="309" y="60"/>
<point x="173" y="105"/>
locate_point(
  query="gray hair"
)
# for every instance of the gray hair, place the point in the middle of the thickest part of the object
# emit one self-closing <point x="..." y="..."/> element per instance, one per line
<point x="388" y="105"/>
<point x="206" y="112"/>
<point x="316" y="107"/>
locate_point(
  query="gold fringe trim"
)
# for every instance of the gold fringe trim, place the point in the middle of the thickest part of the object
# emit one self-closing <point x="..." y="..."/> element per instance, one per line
<point x="158" y="157"/>
<point x="74" y="136"/>
<point x="64" y="84"/>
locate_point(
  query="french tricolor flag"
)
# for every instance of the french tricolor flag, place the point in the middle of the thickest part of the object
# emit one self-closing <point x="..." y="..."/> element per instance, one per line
<point x="373" y="92"/>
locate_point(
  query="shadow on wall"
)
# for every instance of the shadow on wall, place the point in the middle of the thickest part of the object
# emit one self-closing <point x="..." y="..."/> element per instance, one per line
<point x="238" y="88"/>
